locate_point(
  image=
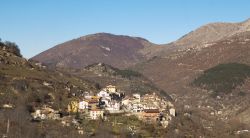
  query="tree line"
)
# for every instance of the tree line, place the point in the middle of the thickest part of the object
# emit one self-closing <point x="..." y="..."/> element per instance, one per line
<point x="11" y="47"/>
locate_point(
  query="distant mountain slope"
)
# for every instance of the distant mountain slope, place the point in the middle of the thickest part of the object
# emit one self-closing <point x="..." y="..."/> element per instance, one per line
<point x="176" y="72"/>
<point x="125" y="51"/>
<point x="169" y="72"/>
<point x="204" y="36"/>
<point x="116" y="50"/>
<point x="213" y="32"/>
<point x="208" y="33"/>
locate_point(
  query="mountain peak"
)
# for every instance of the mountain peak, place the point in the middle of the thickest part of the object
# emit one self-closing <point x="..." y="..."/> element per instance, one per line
<point x="246" y="25"/>
<point x="104" y="35"/>
<point x="117" y="50"/>
<point x="212" y="32"/>
<point x="247" y="21"/>
<point x="100" y="34"/>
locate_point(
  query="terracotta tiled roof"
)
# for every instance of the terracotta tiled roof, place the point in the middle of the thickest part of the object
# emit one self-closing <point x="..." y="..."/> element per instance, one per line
<point x="151" y="110"/>
<point x="95" y="110"/>
<point x="95" y="97"/>
<point x="93" y="101"/>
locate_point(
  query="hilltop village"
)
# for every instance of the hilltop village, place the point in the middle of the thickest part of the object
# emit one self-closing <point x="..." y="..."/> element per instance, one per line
<point x="149" y="108"/>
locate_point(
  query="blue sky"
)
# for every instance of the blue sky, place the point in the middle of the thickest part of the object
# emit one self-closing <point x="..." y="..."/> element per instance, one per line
<point x="36" y="25"/>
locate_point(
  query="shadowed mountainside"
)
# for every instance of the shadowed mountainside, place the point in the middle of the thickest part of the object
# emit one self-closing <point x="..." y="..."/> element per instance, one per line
<point x="118" y="51"/>
<point x="177" y="72"/>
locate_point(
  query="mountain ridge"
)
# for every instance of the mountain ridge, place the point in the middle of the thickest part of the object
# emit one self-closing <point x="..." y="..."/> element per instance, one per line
<point x="117" y="50"/>
<point x="125" y="51"/>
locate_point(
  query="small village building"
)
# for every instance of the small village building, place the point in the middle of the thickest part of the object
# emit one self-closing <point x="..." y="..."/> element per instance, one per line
<point x="137" y="97"/>
<point x="172" y="111"/>
<point x="113" y="106"/>
<point x="111" y="89"/>
<point x="83" y="105"/>
<point x="137" y="107"/>
<point x="45" y="113"/>
<point x="80" y="131"/>
<point x="8" y="106"/>
<point x="150" y="105"/>
<point x="93" y="103"/>
<point x="150" y="115"/>
<point x="151" y="97"/>
<point x="38" y="115"/>
<point x="103" y="94"/>
<point x="87" y="97"/>
<point x="73" y="106"/>
<point x="96" y="114"/>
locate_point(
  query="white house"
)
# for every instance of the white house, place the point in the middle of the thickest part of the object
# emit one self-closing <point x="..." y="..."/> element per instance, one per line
<point x="113" y="106"/>
<point x="87" y="96"/>
<point x="10" y="106"/>
<point x="96" y="114"/>
<point x="136" y="98"/>
<point x="111" y="89"/>
<point x="172" y="111"/>
<point x="150" y="105"/>
<point x="137" y="108"/>
<point x="83" y="105"/>
<point x="103" y="94"/>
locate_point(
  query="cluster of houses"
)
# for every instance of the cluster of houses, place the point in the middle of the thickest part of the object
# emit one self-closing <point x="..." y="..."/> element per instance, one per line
<point x="94" y="107"/>
<point x="149" y="107"/>
<point x="46" y="112"/>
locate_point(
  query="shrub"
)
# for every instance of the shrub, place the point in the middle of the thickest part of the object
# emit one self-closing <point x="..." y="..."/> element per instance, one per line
<point x="128" y="73"/>
<point x="223" y="78"/>
<point x="12" y="47"/>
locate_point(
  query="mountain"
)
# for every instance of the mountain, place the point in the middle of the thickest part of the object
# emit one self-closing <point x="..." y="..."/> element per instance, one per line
<point x="116" y="50"/>
<point x="204" y="36"/>
<point x="125" y="51"/>
<point x="180" y="68"/>
<point x="221" y="93"/>
<point x="213" y="32"/>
